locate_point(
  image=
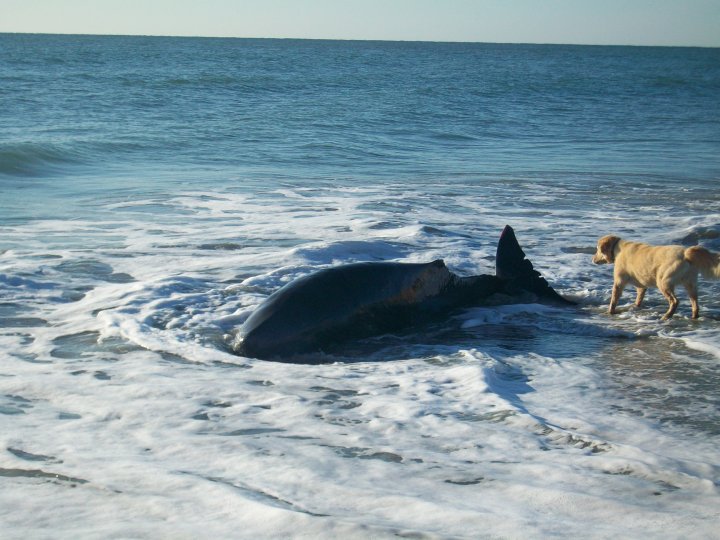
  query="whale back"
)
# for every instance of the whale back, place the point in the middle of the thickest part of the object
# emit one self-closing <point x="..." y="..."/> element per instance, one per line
<point x="340" y="303"/>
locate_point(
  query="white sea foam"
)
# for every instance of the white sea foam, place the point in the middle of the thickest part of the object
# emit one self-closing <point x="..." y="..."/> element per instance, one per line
<point x="122" y="407"/>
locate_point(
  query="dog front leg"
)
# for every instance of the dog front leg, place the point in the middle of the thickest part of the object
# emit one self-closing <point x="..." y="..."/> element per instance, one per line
<point x="617" y="290"/>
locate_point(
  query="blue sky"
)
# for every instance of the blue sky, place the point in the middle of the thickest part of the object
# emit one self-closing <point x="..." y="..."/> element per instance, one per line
<point x="626" y="22"/>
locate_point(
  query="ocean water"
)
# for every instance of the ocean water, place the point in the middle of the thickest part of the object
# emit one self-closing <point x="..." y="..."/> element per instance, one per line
<point x="154" y="191"/>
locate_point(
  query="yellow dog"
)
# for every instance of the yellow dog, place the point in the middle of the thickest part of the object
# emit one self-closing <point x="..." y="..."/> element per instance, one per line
<point x="664" y="267"/>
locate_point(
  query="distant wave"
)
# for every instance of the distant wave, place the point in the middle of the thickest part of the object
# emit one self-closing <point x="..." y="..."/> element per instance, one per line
<point x="30" y="159"/>
<point x="27" y="159"/>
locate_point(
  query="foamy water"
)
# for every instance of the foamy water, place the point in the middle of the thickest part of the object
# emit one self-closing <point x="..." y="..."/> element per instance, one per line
<point x="125" y="414"/>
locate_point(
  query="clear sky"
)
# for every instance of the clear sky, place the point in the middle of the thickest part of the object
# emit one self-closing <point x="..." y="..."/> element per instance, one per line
<point x="624" y="22"/>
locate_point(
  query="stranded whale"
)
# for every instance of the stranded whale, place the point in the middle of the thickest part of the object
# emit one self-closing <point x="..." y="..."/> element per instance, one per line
<point x="355" y="301"/>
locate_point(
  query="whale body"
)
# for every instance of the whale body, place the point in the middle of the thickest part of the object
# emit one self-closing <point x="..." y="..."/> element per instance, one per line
<point x="354" y="301"/>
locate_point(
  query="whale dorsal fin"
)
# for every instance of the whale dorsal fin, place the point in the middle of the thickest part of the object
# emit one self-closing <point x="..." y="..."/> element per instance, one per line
<point x="512" y="265"/>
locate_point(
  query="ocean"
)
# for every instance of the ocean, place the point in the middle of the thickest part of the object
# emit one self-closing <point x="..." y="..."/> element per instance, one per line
<point x="154" y="191"/>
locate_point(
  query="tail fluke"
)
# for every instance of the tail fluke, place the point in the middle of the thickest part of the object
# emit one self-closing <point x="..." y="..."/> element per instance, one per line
<point x="512" y="266"/>
<point x="707" y="262"/>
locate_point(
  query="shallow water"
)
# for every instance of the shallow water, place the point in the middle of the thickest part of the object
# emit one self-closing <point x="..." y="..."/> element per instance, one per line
<point x="155" y="191"/>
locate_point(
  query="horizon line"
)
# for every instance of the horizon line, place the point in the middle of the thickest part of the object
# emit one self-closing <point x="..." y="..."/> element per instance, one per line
<point x="369" y="40"/>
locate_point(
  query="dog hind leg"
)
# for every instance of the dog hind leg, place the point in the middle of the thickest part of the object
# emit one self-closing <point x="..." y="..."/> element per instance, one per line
<point x="691" y="288"/>
<point x="669" y="294"/>
<point x="640" y="296"/>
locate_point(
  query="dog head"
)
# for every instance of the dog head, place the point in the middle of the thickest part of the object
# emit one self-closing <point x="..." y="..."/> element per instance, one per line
<point x="605" y="253"/>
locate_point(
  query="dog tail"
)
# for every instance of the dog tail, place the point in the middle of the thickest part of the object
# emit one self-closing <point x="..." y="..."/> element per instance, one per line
<point x="707" y="262"/>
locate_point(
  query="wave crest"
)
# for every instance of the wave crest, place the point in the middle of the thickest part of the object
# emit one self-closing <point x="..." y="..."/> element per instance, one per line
<point x="30" y="159"/>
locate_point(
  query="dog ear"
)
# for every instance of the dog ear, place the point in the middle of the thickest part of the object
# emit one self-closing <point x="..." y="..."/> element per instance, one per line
<point x="607" y="245"/>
